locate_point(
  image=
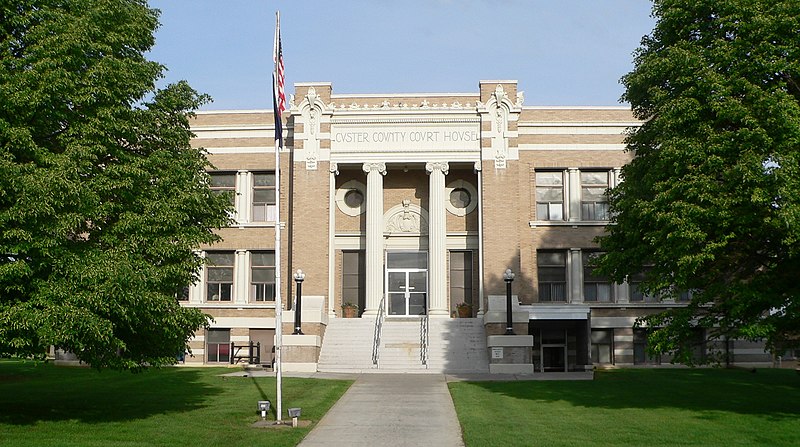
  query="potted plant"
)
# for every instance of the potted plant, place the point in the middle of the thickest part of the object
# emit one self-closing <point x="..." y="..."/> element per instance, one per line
<point x="464" y="310"/>
<point x="349" y="310"/>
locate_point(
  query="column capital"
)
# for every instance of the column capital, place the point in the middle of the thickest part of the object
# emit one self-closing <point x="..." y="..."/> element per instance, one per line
<point x="334" y="168"/>
<point x="437" y="166"/>
<point x="374" y="166"/>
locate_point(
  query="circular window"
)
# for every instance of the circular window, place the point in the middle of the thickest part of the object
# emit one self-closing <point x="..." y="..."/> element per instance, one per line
<point x="460" y="198"/>
<point x="350" y="198"/>
<point x="353" y="198"/>
<point x="463" y="198"/>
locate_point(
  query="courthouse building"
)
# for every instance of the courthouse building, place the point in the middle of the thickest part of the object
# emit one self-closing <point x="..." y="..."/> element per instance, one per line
<point x="411" y="207"/>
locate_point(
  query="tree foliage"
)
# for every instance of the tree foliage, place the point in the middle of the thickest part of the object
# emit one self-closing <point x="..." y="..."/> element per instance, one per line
<point x="711" y="200"/>
<point x="102" y="199"/>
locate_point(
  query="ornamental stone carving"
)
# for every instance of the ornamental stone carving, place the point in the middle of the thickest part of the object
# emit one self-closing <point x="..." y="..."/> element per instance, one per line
<point x="406" y="218"/>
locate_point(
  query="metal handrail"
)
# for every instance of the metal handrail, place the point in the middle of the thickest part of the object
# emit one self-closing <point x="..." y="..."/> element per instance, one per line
<point x="376" y="337"/>
<point x="423" y="340"/>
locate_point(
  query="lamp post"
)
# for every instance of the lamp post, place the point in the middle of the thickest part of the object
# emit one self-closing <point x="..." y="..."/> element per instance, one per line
<point x="508" y="277"/>
<point x="299" y="276"/>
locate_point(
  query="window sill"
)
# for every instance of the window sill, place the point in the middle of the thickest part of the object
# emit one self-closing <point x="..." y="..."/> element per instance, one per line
<point x="253" y="225"/>
<point x="566" y="223"/>
<point x="218" y="305"/>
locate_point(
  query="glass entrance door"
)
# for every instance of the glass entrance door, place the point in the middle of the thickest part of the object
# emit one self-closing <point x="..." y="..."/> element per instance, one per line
<point x="407" y="292"/>
<point x="406" y="283"/>
<point x="554" y="350"/>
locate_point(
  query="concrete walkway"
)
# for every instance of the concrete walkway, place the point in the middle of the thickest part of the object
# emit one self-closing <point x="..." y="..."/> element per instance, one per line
<point x="390" y="410"/>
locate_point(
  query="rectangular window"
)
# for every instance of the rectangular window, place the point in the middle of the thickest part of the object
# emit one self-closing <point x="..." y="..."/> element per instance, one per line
<point x="224" y="183"/>
<point x="183" y="294"/>
<point x="596" y="288"/>
<point x="552" y="270"/>
<point x="637" y="294"/>
<point x="218" y="346"/>
<point x="594" y="201"/>
<point x="219" y="276"/>
<point x="264" y="197"/>
<point x="262" y="276"/>
<point x="640" y="355"/>
<point x="354" y="269"/>
<point x="602" y="345"/>
<point x="549" y="195"/>
<point x="460" y="277"/>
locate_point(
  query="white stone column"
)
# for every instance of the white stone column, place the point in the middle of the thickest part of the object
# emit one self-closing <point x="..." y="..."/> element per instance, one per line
<point x="241" y="277"/>
<point x="574" y="194"/>
<point x="334" y="170"/>
<point x="374" y="249"/>
<point x="622" y="292"/>
<point x="437" y="240"/>
<point x="242" y="198"/>
<point x="617" y="172"/>
<point x="481" y="308"/>
<point x="196" y="289"/>
<point x="575" y="276"/>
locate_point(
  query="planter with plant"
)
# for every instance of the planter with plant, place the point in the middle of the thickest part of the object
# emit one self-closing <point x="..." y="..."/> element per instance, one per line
<point x="349" y="310"/>
<point x="464" y="310"/>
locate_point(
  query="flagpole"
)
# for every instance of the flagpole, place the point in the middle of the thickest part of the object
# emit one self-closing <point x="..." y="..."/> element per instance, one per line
<point x="278" y="300"/>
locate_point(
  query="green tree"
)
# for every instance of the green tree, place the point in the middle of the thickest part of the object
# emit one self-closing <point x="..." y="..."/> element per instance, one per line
<point x="102" y="199"/>
<point x="711" y="200"/>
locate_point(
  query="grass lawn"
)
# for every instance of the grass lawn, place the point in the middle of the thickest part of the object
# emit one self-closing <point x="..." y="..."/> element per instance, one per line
<point x="641" y="407"/>
<point x="45" y="405"/>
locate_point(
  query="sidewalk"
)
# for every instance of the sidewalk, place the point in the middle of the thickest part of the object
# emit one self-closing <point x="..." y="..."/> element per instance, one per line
<point x="390" y="410"/>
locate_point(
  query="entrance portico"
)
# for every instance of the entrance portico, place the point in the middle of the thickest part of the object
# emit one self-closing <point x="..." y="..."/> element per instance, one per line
<point x="407" y="228"/>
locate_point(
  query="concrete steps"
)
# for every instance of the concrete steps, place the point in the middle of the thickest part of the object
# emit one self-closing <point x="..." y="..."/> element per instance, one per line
<point x="347" y="346"/>
<point x="454" y="346"/>
<point x="457" y="346"/>
<point x="400" y="349"/>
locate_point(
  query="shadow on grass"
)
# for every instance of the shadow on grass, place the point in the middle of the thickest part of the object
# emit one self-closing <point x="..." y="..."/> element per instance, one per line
<point x="31" y="392"/>
<point x="770" y="393"/>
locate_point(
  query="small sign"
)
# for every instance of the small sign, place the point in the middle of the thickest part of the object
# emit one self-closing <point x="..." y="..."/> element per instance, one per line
<point x="497" y="353"/>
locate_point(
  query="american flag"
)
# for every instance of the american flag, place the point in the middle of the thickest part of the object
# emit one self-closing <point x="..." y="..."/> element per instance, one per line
<point x="278" y="79"/>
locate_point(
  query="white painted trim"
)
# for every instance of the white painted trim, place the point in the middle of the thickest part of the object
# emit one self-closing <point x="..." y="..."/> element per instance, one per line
<point x="613" y="322"/>
<point x="238" y="150"/>
<point x="302" y="340"/>
<point x="506" y="368"/>
<point x="572" y="130"/>
<point x="216" y="134"/>
<point x="571" y="147"/>
<point x="576" y="108"/>
<point x="403" y="95"/>
<point x="509" y="340"/>
<point x="581" y="124"/>
<point x="244" y="322"/>
<point x="298" y="367"/>
<point x="557" y="312"/>
<point x="232" y="112"/>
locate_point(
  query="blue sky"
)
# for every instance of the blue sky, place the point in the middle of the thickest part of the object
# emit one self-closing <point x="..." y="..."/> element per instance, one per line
<point x="567" y="52"/>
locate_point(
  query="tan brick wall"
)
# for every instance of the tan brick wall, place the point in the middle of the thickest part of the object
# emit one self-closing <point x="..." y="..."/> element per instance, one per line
<point x="217" y="312"/>
<point x="309" y="227"/>
<point x="487" y="88"/>
<point x="501" y="220"/>
<point x="575" y="159"/>
<point x="232" y="119"/>
<point x="250" y="162"/>
<point x="251" y="238"/>
<point x="399" y="185"/>
<point x="345" y="223"/>
<point x="571" y="139"/>
<point x="468" y="222"/>
<point x="563" y="114"/>
<point x="233" y="142"/>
